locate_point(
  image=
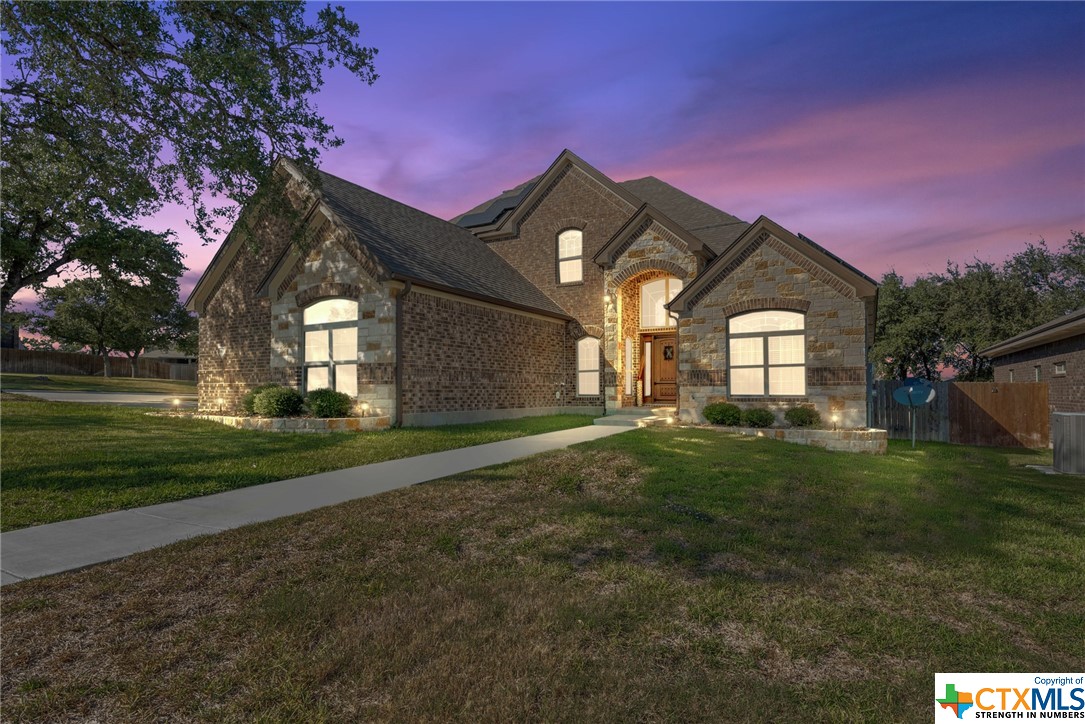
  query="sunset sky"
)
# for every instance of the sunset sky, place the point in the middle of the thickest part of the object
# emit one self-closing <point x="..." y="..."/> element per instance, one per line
<point x="896" y="135"/>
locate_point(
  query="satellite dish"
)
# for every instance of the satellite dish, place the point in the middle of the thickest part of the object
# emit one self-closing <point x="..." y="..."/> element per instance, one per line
<point x="912" y="394"/>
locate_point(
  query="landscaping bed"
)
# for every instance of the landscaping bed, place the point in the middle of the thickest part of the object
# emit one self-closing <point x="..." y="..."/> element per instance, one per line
<point x="869" y="440"/>
<point x="664" y="574"/>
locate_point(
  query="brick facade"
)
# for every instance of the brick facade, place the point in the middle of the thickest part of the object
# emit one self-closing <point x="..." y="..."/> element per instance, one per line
<point x="461" y="356"/>
<point x="235" y="343"/>
<point x="1065" y="392"/>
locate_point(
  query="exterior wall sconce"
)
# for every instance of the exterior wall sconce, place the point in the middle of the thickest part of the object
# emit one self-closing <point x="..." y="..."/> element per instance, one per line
<point x="606" y="299"/>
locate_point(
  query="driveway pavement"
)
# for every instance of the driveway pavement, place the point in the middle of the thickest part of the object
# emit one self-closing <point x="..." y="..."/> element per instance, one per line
<point x="46" y="549"/>
<point x="136" y="399"/>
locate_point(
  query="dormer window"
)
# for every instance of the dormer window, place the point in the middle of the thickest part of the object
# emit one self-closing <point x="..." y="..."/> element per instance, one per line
<point x="571" y="256"/>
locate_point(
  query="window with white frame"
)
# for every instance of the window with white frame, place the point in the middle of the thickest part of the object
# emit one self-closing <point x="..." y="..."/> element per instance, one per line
<point x="628" y="364"/>
<point x="587" y="367"/>
<point x="330" y="330"/>
<point x="570" y="256"/>
<point x="766" y="354"/>
<point x="1060" y="369"/>
<point x="653" y="295"/>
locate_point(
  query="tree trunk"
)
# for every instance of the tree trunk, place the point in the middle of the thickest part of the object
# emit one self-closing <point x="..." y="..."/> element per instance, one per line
<point x="9" y="333"/>
<point x="132" y="359"/>
<point x="105" y="363"/>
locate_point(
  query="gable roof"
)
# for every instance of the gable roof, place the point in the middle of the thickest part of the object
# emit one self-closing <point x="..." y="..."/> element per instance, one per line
<point x="505" y="220"/>
<point x="727" y="262"/>
<point x="716" y="228"/>
<point x="1068" y="325"/>
<point x="648" y="214"/>
<point x="411" y="245"/>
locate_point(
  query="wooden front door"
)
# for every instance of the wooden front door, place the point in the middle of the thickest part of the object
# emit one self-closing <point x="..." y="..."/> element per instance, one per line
<point x="664" y="368"/>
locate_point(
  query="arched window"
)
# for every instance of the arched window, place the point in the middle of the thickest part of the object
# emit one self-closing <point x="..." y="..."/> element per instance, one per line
<point x="331" y="346"/>
<point x="570" y="256"/>
<point x="766" y="354"/>
<point x="587" y="367"/>
<point x="653" y="295"/>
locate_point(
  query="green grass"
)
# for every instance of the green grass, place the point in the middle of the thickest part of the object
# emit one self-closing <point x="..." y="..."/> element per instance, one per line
<point x="66" y="460"/>
<point x="657" y="575"/>
<point x="14" y="382"/>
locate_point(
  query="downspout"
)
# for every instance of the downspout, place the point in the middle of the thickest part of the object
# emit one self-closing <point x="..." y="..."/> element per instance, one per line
<point x="399" y="351"/>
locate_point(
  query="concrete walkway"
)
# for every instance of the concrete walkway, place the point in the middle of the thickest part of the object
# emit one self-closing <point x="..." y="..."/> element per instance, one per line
<point x="135" y="399"/>
<point x="72" y="544"/>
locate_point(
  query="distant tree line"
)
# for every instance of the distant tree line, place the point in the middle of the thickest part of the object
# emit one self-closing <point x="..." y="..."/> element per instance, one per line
<point x="940" y="322"/>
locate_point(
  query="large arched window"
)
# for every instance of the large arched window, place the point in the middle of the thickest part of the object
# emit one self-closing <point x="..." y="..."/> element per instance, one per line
<point x="766" y="354"/>
<point x="570" y="256"/>
<point x="653" y="295"/>
<point x="331" y="345"/>
<point x="587" y="366"/>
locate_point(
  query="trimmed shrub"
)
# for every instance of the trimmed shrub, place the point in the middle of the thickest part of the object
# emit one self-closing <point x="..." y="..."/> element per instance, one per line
<point x="248" y="401"/>
<point x="803" y="417"/>
<point x="279" y="402"/>
<point x="329" y="403"/>
<point x="723" y="413"/>
<point x="758" y="417"/>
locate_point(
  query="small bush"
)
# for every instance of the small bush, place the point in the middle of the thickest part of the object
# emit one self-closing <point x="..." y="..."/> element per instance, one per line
<point x="248" y="402"/>
<point x="758" y="417"/>
<point x="279" y="402"/>
<point x="329" y="403"/>
<point x="803" y="417"/>
<point x="723" y="413"/>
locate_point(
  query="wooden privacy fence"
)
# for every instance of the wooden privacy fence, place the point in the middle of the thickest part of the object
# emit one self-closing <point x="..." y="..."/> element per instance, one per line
<point x="39" y="362"/>
<point x="1013" y="414"/>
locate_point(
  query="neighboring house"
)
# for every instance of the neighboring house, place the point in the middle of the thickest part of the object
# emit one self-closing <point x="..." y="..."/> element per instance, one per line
<point x="561" y="294"/>
<point x="1053" y="353"/>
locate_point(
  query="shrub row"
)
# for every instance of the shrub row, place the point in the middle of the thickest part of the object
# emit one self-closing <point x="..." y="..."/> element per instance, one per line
<point x="273" y="400"/>
<point x="724" y="413"/>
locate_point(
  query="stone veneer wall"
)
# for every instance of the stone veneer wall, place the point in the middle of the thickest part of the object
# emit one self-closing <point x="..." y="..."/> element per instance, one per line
<point x="771" y="275"/>
<point x="1065" y="393"/>
<point x="466" y="361"/>
<point x="654" y="253"/>
<point x="331" y="270"/>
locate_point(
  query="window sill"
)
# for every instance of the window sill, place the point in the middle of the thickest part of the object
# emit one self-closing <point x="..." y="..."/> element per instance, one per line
<point x="571" y="284"/>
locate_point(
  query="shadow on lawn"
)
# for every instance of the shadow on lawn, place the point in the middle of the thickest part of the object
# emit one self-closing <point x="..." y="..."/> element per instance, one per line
<point x="771" y="511"/>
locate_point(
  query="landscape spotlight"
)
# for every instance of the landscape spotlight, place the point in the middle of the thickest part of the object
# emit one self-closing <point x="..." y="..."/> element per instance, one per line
<point x="365" y="408"/>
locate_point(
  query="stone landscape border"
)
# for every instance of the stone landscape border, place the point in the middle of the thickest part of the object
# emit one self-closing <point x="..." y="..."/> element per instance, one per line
<point x="302" y="424"/>
<point x="869" y="441"/>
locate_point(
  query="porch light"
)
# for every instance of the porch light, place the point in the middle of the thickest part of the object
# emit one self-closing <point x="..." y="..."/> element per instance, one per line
<point x="606" y="299"/>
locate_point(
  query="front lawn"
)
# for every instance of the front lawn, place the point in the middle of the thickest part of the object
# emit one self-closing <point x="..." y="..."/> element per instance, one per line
<point x="67" y="460"/>
<point x="657" y="575"/>
<point x="14" y="382"/>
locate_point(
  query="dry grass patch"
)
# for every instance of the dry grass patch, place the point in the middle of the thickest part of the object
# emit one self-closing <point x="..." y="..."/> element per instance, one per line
<point x="620" y="580"/>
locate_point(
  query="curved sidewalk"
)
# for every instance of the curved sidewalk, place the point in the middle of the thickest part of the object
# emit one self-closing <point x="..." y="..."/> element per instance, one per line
<point x="71" y="544"/>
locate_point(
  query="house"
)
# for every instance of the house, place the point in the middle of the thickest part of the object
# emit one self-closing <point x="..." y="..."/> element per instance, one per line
<point x="570" y="292"/>
<point x="1053" y="353"/>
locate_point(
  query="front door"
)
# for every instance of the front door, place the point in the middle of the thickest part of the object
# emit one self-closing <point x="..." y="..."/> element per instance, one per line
<point x="664" y="370"/>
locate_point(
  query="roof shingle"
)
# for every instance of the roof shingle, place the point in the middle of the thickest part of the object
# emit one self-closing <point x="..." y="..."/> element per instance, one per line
<point x="412" y="244"/>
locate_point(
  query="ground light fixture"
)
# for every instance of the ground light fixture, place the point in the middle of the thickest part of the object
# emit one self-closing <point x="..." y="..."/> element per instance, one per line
<point x="836" y="419"/>
<point x="365" y="408"/>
